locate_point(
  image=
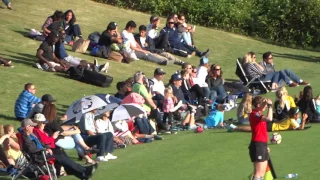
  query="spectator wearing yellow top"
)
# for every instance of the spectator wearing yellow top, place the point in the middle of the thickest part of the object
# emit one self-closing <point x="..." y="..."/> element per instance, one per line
<point x="283" y="104"/>
<point x="291" y="123"/>
<point x="244" y="109"/>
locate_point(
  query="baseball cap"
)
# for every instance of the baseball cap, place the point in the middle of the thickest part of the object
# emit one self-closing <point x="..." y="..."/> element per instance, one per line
<point x="27" y="122"/>
<point x="154" y="18"/>
<point x="40" y="118"/>
<point x="204" y="60"/>
<point x="176" y="77"/>
<point x="47" y="98"/>
<point x="159" y="71"/>
<point x="112" y="26"/>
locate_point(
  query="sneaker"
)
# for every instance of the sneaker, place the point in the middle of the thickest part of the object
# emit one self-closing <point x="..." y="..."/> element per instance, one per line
<point x="189" y="56"/>
<point x="174" y="132"/>
<point x="180" y="63"/>
<point x="157" y="137"/>
<point x="231" y="127"/>
<point x="122" y="146"/>
<point x="9" y="6"/>
<point x="95" y="62"/>
<point x="101" y="159"/>
<point x="293" y="84"/>
<point x="206" y="53"/>
<point x="304" y="83"/>
<point x="105" y="67"/>
<point x="110" y="157"/>
<point x="37" y="65"/>
<point x="193" y="53"/>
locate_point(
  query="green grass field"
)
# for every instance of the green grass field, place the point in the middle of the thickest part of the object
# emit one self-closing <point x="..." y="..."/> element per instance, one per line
<point x="214" y="154"/>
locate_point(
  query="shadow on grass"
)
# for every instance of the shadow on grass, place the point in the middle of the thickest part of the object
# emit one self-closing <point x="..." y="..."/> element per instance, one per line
<point x="297" y="57"/>
<point x="7" y="117"/>
<point x="20" y="58"/>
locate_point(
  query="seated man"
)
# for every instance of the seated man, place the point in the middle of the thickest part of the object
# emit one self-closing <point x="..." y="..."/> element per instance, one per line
<point x="32" y="146"/>
<point x="157" y="89"/>
<point x="47" y="59"/>
<point x="128" y="38"/>
<point x="176" y="84"/>
<point x="174" y="39"/>
<point x="268" y="66"/>
<point x="89" y="133"/>
<point x="122" y="90"/>
<point x="110" y="39"/>
<point x="160" y="42"/>
<point x="147" y="43"/>
<point x="61" y="53"/>
<point x="25" y="101"/>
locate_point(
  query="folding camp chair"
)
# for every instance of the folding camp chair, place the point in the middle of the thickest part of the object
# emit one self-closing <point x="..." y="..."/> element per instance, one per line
<point x="255" y="82"/>
<point x="27" y="164"/>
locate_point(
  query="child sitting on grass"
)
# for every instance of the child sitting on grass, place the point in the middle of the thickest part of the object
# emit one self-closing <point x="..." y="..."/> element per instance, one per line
<point x="215" y="118"/>
<point x="244" y="109"/>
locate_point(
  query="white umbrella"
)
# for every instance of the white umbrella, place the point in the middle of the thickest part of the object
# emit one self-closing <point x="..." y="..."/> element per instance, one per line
<point x="126" y="111"/>
<point x="101" y="102"/>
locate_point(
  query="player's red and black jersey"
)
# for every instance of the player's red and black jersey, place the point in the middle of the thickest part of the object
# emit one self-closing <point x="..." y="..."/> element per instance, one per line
<point x="258" y="127"/>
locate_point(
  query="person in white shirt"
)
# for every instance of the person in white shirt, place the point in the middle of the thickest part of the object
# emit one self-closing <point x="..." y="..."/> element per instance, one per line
<point x="158" y="87"/>
<point x="160" y="40"/>
<point x="104" y="141"/>
<point x="140" y="53"/>
<point x="202" y="73"/>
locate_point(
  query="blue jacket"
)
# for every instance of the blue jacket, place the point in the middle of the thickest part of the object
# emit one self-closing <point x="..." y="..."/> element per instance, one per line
<point x="24" y="104"/>
<point x="174" y="36"/>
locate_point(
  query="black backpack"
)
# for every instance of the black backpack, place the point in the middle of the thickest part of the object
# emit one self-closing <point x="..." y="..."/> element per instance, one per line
<point x="94" y="39"/>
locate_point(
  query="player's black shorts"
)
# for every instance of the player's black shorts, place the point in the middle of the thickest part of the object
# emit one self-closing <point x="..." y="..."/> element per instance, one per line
<point x="258" y="151"/>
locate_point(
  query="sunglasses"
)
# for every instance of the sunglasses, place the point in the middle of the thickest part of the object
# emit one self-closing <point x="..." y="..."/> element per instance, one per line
<point x="270" y="58"/>
<point x="217" y="69"/>
<point x="170" y="22"/>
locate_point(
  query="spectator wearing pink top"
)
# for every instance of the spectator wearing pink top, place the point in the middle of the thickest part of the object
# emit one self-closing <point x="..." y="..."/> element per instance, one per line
<point x="168" y="105"/>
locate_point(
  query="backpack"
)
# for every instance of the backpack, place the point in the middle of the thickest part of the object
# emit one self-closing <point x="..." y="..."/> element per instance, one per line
<point x="75" y="73"/>
<point x="94" y="39"/>
<point x="100" y="51"/>
<point x="80" y="45"/>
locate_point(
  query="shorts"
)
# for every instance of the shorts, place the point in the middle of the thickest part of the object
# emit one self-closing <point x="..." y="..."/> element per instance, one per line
<point x="258" y="151"/>
<point x="45" y="66"/>
<point x="269" y="126"/>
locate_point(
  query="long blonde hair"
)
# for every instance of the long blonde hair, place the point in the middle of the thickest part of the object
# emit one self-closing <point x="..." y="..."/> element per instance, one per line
<point x="4" y="129"/>
<point x="168" y="92"/>
<point x="282" y="94"/>
<point x="246" y="59"/>
<point x="246" y="103"/>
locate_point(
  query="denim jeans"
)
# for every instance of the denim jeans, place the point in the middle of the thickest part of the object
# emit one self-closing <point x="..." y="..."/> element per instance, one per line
<point x="6" y="2"/>
<point x="143" y="125"/>
<point x="206" y="91"/>
<point x="220" y="93"/>
<point x="104" y="142"/>
<point x="291" y="75"/>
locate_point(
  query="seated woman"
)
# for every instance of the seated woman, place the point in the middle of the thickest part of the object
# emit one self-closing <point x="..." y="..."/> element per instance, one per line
<point x="37" y="129"/>
<point x="64" y="140"/>
<point x="11" y="147"/>
<point x="307" y="105"/>
<point x="104" y="125"/>
<point x="191" y="90"/>
<point x="253" y="69"/>
<point x="215" y="83"/>
<point x="47" y="26"/>
<point x="283" y="104"/>
<point x="244" y="109"/>
<point x="72" y="29"/>
<point x="187" y="30"/>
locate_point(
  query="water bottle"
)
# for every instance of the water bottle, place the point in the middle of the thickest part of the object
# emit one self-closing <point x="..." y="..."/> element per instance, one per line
<point x="290" y="176"/>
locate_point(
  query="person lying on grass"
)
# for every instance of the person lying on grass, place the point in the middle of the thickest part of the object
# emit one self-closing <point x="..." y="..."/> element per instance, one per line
<point x="290" y="123"/>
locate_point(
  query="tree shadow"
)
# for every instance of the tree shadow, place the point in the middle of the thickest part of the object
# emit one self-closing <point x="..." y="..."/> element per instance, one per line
<point x="23" y="33"/>
<point x="23" y="58"/>
<point x="297" y="57"/>
<point x="2" y="116"/>
<point x="231" y="80"/>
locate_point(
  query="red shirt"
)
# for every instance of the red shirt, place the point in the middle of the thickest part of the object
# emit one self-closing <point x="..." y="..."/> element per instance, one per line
<point x="259" y="131"/>
<point x="44" y="138"/>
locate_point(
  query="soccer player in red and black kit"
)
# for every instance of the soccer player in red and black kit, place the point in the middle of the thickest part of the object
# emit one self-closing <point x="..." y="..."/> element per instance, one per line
<point x="258" y="148"/>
